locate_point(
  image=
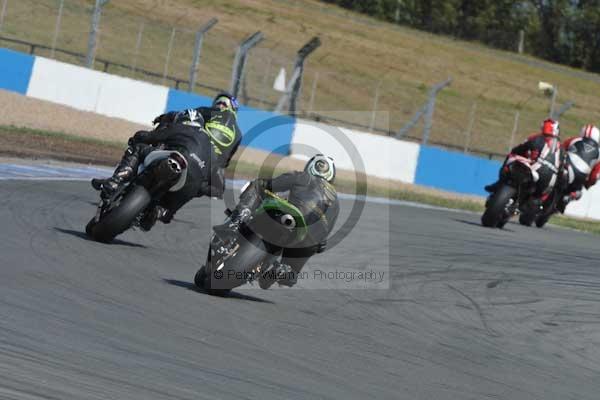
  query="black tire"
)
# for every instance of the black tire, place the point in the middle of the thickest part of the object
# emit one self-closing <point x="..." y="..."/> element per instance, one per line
<point x="202" y="281"/>
<point x="502" y="223"/>
<point x="200" y="277"/>
<point x="526" y="219"/>
<point x="494" y="212"/>
<point x="542" y="220"/>
<point x="120" y="218"/>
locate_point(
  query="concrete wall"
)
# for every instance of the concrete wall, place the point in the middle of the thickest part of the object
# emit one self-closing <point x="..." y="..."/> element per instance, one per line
<point x="89" y="90"/>
<point x="379" y="156"/>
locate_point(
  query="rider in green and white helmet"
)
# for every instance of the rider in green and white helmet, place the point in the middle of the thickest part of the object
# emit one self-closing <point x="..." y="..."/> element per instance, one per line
<point x="312" y="192"/>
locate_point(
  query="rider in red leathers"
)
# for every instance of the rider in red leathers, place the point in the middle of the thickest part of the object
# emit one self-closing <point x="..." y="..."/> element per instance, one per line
<point x="543" y="150"/>
<point x="581" y="166"/>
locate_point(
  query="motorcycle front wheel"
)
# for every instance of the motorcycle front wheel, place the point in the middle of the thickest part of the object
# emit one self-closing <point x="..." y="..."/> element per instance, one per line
<point x="495" y="212"/>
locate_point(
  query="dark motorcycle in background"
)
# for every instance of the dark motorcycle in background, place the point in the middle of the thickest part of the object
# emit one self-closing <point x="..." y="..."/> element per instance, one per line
<point x="161" y="172"/>
<point x="540" y="214"/>
<point x="573" y="175"/>
<point x="514" y="196"/>
<point x="244" y="255"/>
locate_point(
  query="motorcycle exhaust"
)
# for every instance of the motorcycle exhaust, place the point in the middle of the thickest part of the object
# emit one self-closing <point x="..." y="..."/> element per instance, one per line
<point x="176" y="162"/>
<point x="174" y="165"/>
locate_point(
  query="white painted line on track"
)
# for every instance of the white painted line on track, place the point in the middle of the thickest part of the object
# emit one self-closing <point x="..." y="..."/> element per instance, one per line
<point x="45" y="172"/>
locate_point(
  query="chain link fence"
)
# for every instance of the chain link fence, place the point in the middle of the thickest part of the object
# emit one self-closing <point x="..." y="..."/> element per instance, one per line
<point x="142" y="48"/>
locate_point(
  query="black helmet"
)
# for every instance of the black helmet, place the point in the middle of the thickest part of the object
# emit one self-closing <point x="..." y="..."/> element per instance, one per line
<point x="227" y="100"/>
<point x="321" y="166"/>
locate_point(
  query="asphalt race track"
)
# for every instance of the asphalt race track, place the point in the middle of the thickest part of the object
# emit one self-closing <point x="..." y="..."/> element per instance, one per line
<point x="471" y="313"/>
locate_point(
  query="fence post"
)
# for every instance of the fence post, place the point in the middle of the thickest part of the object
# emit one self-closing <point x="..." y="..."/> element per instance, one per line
<point x="566" y="107"/>
<point x="521" y="45"/>
<point x="304" y="52"/>
<point x="514" y="131"/>
<point x="197" y="50"/>
<point x="553" y="102"/>
<point x="295" y="83"/>
<point x="239" y="63"/>
<point x="288" y="90"/>
<point x="3" y="13"/>
<point x="470" y="126"/>
<point x="312" y="94"/>
<point x="138" y="45"/>
<point x="431" y="107"/>
<point x="57" y="27"/>
<point x="374" y="112"/>
<point x="92" y="40"/>
<point x="265" y="83"/>
<point x="168" y="56"/>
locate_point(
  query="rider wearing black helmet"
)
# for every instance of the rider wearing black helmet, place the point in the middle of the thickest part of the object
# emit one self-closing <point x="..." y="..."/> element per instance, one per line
<point x="312" y="192"/>
<point x="207" y="136"/>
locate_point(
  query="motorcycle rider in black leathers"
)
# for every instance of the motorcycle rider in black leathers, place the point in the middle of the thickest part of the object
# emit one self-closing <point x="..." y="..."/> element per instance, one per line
<point x="544" y="151"/>
<point x="312" y="192"/>
<point x="581" y="166"/>
<point x="207" y="137"/>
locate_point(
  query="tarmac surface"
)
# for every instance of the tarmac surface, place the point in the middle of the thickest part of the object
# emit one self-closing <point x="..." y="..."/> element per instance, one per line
<point x="452" y="310"/>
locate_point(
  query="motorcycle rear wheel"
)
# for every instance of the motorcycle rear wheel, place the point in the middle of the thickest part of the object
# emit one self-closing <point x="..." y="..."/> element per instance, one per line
<point x="542" y="220"/>
<point x="120" y="218"/>
<point x="202" y="281"/>
<point x="527" y="219"/>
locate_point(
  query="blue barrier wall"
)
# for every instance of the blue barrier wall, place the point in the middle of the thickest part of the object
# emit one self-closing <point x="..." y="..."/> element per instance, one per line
<point x="15" y="70"/>
<point x="262" y="130"/>
<point x="456" y="172"/>
<point x="178" y="100"/>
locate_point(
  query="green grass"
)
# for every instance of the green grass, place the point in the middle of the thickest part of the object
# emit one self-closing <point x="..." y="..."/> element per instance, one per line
<point x="353" y="59"/>
<point x="577" y="224"/>
<point x="13" y="130"/>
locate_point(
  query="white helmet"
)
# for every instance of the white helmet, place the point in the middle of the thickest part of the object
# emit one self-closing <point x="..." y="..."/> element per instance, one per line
<point x="321" y="166"/>
<point x="590" y="131"/>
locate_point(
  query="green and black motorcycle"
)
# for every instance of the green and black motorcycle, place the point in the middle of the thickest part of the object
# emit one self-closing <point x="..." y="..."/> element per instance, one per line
<point x="245" y="255"/>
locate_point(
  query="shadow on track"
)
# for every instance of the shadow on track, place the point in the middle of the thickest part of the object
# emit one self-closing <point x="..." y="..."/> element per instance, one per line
<point x="464" y="221"/>
<point x="82" y="235"/>
<point x="230" y="295"/>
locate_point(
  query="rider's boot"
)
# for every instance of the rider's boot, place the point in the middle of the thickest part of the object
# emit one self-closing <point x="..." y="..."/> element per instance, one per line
<point x="124" y="172"/>
<point x="491" y="188"/>
<point x="249" y="200"/>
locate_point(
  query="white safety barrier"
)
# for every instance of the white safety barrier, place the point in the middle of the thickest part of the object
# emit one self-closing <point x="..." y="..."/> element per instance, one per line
<point x="89" y="90"/>
<point x="374" y="155"/>
<point x="588" y="206"/>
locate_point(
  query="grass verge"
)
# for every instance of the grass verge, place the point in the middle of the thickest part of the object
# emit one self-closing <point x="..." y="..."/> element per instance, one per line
<point x="242" y="169"/>
<point x="14" y="131"/>
<point x="359" y="57"/>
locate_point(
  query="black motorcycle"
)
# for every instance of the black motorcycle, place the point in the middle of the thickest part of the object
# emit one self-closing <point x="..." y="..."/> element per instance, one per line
<point x="513" y="196"/>
<point x="245" y="255"/>
<point x="161" y="172"/>
<point x="573" y="173"/>
<point x="541" y="212"/>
